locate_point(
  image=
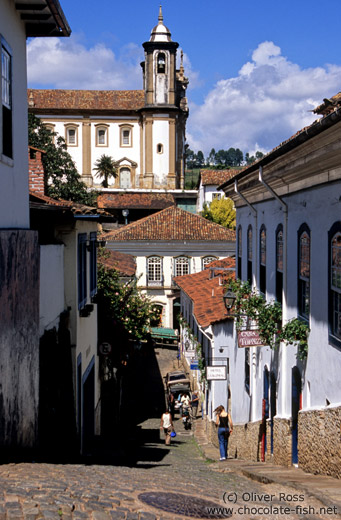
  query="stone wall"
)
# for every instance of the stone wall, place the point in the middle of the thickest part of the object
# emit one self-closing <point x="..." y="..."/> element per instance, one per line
<point x="319" y="441"/>
<point x="19" y="338"/>
<point x="282" y="442"/>
<point x="244" y="442"/>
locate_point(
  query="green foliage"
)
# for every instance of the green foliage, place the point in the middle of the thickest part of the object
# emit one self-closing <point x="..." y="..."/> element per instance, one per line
<point x="105" y="167"/>
<point x="63" y="179"/>
<point x="129" y="311"/>
<point x="250" y="159"/>
<point x="252" y="306"/>
<point x="195" y="343"/>
<point x="221" y="211"/>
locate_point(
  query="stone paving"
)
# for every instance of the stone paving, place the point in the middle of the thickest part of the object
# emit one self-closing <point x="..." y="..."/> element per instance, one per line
<point x="178" y="480"/>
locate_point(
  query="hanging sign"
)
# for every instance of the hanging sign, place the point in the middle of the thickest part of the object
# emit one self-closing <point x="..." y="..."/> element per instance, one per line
<point x="250" y="338"/>
<point x="217" y="373"/>
<point x="105" y="349"/>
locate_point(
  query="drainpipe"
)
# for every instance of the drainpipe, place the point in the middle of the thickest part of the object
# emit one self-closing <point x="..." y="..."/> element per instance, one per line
<point x="285" y="405"/>
<point x="253" y="363"/>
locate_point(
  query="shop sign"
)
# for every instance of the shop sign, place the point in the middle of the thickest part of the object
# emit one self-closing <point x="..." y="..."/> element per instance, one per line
<point x="105" y="349"/>
<point x="218" y="373"/>
<point x="250" y="338"/>
<point x="194" y="364"/>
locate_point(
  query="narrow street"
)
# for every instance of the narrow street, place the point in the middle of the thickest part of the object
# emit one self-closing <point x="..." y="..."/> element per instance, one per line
<point x="141" y="478"/>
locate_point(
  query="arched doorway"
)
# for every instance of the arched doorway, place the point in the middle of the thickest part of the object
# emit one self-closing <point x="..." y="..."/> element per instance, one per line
<point x="157" y="321"/>
<point x="273" y="408"/>
<point x="176" y="313"/>
<point x="296" y="405"/>
<point x="265" y="410"/>
<point x="125" y="180"/>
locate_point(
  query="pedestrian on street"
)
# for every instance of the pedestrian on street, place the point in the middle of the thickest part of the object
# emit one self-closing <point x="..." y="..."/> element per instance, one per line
<point x="195" y="403"/>
<point x="225" y="428"/>
<point x="167" y="425"/>
<point x="171" y="404"/>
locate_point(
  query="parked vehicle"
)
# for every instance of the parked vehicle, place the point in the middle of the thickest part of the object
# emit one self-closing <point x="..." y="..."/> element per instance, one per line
<point x="177" y="382"/>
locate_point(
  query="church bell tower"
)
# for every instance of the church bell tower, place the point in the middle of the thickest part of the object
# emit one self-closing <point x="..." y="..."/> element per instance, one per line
<point x="165" y="112"/>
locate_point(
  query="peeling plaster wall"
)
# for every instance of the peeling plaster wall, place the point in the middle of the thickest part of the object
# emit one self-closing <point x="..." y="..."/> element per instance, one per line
<point x="19" y="338"/>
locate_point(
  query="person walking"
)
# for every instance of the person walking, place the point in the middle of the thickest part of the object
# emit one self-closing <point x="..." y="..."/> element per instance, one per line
<point x="225" y="428"/>
<point x="195" y="403"/>
<point x="167" y="425"/>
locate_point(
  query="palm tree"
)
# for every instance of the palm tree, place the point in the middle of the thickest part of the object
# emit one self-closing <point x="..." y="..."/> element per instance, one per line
<point x="105" y="167"/>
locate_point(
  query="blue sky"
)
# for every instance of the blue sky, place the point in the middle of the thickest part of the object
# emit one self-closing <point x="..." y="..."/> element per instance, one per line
<point x="256" y="69"/>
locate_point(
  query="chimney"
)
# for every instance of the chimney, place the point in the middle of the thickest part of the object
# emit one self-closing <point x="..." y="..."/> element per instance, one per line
<point x="36" y="173"/>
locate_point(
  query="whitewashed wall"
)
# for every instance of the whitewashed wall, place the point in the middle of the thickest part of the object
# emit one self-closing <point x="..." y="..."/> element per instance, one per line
<point x="319" y="208"/>
<point x="51" y="301"/>
<point x="14" y="202"/>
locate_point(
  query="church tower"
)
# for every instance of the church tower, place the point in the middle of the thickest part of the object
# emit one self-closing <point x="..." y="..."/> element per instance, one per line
<point x="165" y="112"/>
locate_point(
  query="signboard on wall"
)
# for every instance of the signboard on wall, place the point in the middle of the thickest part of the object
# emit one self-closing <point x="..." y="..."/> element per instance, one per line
<point x="194" y="364"/>
<point x="217" y="373"/>
<point x="250" y="338"/>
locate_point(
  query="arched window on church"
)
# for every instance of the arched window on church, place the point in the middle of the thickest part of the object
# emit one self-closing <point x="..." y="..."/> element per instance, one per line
<point x="161" y="63"/>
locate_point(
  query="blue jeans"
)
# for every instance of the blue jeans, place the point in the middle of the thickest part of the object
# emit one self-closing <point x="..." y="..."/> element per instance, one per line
<point x="223" y="435"/>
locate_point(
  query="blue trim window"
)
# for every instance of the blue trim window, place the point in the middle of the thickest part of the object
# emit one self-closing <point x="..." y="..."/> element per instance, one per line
<point x="6" y="99"/>
<point x="249" y="254"/>
<point x="240" y="252"/>
<point x="82" y="265"/>
<point x="304" y="272"/>
<point x="262" y="260"/>
<point x="335" y="285"/>
<point x="279" y="263"/>
<point x="93" y="264"/>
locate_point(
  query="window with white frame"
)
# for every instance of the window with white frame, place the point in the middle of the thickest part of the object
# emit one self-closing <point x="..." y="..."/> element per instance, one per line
<point x="126" y="136"/>
<point x="6" y="99"/>
<point x="335" y="284"/>
<point x="207" y="260"/>
<point x="154" y="270"/>
<point x="304" y="271"/>
<point x="101" y="136"/>
<point x="181" y="266"/>
<point x="71" y="135"/>
<point x="51" y="129"/>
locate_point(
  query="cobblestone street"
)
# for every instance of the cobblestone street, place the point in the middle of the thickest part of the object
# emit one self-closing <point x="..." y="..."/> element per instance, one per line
<point x="147" y="480"/>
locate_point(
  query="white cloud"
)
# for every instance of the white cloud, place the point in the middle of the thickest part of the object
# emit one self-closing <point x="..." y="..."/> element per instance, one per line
<point x="69" y="64"/>
<point x="269" y="100"/>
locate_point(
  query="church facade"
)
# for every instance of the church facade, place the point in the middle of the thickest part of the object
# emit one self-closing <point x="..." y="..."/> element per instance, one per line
<point x="142" y="130"/>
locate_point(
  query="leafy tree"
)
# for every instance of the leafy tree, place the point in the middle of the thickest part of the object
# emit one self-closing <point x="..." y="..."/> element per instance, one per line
<point x="211" y="160"/>
<point x="63" y="179"/>
<point x="190" y="159"/>
<point x="250" y="159"/>
<point x="125" y="310"/>
<point x="105" y="167"/>
<point x="221" y="211"/>
<point x="200" y="159"/>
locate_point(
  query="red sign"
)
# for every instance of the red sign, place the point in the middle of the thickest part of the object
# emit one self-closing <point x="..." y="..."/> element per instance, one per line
<point x="250" y="338"/>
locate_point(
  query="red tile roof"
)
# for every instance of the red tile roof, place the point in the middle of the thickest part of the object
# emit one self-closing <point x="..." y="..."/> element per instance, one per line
<point x="94" y="100"/>
<point x="172" y="223"/>
<point x="216" y="177"/>
<point x="206" y="291"/>
<point x="125" y="264"/>
<point x="328" y="105"/>
<point x="74" y="207"/>
<point x="135" y="200"/>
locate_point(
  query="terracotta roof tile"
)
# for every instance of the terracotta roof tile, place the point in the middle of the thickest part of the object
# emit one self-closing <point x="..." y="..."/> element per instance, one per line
<point x="328" y="105"/>
<point x="74" y="207"/>
<point x="216" y="177"/>
<point x="122" y="262"/>
<point x="135" y="200"/>
<point x="206" y="291"/>
<point x="94" y="100"/>
<point x="172" y="223"/>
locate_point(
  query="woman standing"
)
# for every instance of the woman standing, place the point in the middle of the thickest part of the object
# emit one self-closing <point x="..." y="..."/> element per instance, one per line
<point x="225" y="427"/>
<point x="167" y="425"/>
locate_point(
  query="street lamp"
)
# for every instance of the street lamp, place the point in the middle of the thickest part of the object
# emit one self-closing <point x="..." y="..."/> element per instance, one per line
<point x="125" y="213"/>
<point x="229" y="299"/>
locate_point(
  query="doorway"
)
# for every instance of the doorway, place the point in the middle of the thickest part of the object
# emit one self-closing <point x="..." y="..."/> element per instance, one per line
<point x="296" y="405"/>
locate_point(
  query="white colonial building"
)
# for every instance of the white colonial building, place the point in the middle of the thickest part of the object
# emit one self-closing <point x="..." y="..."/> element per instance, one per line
<point x="142" y="130"/>
<point x="289" y="248"/>
<point x="170" y="243"/>
<point x="209" y="181"/>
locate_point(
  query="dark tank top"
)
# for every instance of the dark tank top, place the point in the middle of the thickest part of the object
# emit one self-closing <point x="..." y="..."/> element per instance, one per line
<point x="224" y="422"/>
